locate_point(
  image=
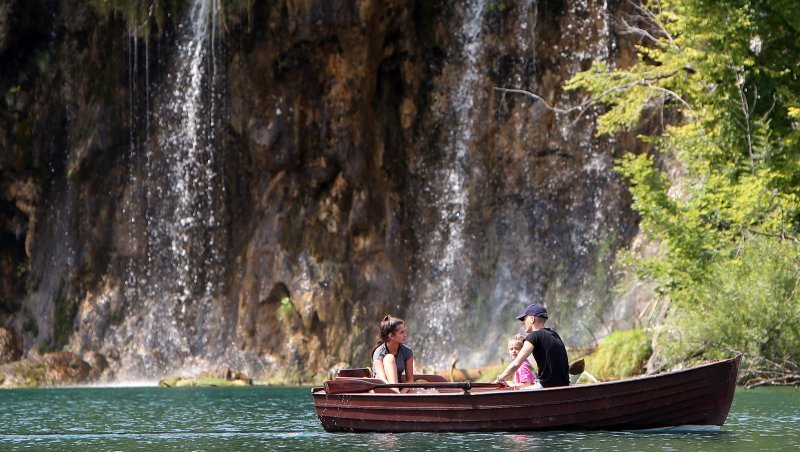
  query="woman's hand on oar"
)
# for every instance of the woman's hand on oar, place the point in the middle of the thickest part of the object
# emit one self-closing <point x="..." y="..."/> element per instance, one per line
<point x="355" y="385"/>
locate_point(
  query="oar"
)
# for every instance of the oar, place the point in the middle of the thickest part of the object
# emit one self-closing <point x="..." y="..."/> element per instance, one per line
<point x="576" y="370"/>
<point x="352" y="385"/>
<point x="577" y="367"/>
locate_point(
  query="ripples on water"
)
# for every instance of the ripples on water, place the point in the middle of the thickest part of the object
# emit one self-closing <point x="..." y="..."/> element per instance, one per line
<point x="264" y="418"/>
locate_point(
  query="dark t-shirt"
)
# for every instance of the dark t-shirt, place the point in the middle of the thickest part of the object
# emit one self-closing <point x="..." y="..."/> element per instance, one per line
<point x="551" y="357"/>
<point x="403" y="353"/>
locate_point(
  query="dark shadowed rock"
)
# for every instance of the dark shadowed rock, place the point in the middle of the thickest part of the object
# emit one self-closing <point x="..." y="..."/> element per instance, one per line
<point x="97" y="362"/>
<point x="65" y="368"/>
<point x="10" y="346"/>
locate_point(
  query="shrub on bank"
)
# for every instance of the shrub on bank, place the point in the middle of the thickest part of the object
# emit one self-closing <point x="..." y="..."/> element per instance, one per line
<point x="621" y="354"/>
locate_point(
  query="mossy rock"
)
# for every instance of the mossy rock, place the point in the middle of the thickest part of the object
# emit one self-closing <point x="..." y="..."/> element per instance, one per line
<point x="169" y="382"/>
<point x="27" y="373"/>
<point x="621" y="354"/>
<point x="202" y="382"/>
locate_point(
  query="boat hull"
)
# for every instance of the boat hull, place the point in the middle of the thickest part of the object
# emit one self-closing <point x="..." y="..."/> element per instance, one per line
<point x="700" y="396"/>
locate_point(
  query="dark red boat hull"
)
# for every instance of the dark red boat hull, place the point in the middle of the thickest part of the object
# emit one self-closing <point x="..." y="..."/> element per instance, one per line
<point x="700" y="396"/>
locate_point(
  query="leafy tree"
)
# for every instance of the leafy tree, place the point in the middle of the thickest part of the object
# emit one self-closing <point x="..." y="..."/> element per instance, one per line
<point x="723" y="76"/>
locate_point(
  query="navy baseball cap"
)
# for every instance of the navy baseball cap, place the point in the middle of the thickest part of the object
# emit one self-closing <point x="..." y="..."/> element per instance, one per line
<point x="534" y="309"/>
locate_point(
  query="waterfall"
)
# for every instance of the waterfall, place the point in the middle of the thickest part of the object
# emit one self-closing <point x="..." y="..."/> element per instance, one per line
<point x="441" y="279"/>
<point x="504" y="223"/>
<point x="174" y="287"/>
<point x="189" y="150"/>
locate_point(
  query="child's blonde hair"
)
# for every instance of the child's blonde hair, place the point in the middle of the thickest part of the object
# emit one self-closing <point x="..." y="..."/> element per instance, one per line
<point x="516" y="338"/>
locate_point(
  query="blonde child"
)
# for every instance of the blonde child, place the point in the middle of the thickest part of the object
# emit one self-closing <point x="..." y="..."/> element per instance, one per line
<point x="525" y="375"/>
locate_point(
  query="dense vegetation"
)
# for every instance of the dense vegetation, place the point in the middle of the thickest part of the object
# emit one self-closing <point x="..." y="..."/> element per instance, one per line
<point x="622" y="354"/>
<point x="721" y="194"/>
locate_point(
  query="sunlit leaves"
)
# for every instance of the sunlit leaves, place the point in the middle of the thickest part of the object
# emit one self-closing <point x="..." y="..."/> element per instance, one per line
<point x="724" y="195"/>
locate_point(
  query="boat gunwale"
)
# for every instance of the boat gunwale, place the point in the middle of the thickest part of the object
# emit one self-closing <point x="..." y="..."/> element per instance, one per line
<point x="598" y="397"/>
<point x="623" y="404"/>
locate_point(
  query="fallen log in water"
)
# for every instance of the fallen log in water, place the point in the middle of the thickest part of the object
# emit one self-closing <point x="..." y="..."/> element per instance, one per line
<point x="786" y="380"/>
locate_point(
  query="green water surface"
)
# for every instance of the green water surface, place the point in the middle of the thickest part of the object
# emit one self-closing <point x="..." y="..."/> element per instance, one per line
<point x="271" y="418"/>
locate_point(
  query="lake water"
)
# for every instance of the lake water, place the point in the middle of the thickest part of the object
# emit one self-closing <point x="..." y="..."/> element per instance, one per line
<point x="270" y="418"/>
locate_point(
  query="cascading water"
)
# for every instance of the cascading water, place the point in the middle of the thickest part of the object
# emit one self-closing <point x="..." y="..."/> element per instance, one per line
<point x="172" y="291"/>
<point x="187" y="144"/>
<point x="504" y="222"/>
<point x="441" y="279"/>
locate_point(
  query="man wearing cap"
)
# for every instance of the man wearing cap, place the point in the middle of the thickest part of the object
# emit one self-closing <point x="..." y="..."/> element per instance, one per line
<point x="546" y="346"/>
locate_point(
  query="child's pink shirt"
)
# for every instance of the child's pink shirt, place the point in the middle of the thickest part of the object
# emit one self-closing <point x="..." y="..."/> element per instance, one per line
<point x="525" y="373"/>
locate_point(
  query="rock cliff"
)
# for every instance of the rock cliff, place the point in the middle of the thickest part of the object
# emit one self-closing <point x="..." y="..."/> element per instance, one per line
<point x="341" y="160"/>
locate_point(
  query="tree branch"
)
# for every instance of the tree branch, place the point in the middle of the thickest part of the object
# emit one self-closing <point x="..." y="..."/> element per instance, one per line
<point x="537" y="97"/>
<point x="782" y="235"/>
<point x="583" y="106"/>
<point x="653" y="18"/>
<point x="746" y="113"/>
<point x="628" y="29"/>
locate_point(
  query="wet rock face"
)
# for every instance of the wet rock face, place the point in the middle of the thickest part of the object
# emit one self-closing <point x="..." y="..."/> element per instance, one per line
<point x="314" y="108"/>
<point x="65" y="368"/>
<point x="5" y="10"/>
<point x="10" y="346"/>
<point x="97" y="362"/>
<point x="52" y="369"/>
<point x="363" y="164"/>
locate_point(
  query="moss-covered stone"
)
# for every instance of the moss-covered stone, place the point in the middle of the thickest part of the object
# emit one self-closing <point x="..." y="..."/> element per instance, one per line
<point x="222" y="378"/>
<point x="28" y="373"/>
<point x="50" y="369"/>
<point x="201" y="382"/>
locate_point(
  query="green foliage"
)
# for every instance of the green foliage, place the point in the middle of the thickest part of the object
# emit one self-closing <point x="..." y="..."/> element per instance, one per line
<point x="621" y="354"/>
<point x="147" y="18"/>
<point x="144" y="17"/>
<point x="495" y="7"/>
<point x="286" y="310"/>
<point x="492" y="373"/>
<point x="749" y="305"/>
<point x="22" y="270"/>
<point x="727" y="213"/>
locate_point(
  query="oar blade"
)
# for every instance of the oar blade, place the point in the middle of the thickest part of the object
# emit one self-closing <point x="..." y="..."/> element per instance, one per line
<point x="577" y="367"/>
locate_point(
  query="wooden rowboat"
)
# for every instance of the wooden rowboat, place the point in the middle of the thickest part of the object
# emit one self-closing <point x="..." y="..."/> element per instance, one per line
<point x="698" y="398"/>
